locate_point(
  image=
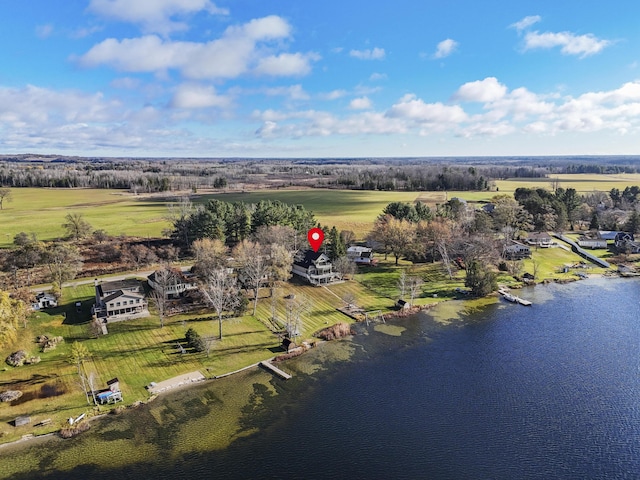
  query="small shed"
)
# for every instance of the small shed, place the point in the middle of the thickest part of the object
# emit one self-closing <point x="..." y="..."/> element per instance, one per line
<point x="114" y="384"/>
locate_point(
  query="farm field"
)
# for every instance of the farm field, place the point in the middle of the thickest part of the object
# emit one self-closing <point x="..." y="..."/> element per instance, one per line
<point x="42" y="211"/>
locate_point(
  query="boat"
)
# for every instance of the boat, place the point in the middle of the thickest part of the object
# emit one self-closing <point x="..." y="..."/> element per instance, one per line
<point x="511" y="298"/>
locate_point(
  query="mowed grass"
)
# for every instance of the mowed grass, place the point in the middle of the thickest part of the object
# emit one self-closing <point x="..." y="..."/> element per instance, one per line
<point x="42" y="211"/>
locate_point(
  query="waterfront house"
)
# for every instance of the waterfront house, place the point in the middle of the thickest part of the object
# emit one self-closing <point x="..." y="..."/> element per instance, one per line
<point x="624" y="241"/>
<point x="539" y="239"/>
<point x="592" y="243"/>
<point x="515" y="250"/>
<point x="314" y="267"/>
<point x="177" y="282"/>
<point x="119" y="300"/>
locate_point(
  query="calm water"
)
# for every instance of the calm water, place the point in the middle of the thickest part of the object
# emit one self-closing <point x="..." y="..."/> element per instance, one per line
<point x="543" y="392"/>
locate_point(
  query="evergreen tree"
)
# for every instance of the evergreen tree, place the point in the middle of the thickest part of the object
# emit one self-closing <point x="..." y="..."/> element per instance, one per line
<point x="480" y="279"/>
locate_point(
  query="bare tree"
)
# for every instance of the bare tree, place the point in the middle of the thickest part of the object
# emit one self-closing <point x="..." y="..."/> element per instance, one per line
<point x="210" y="254"/>
<point x="221" y="292"/>
<point x="64" y="263"/>
<point x="79" y="357"/>
<point x="280" y="262"/>
<point x="295" y="306"/>
<point x="345" y="267"/>
<point x="162" y="279"/>
<point x="414" y="287"/>
<point x="5" y="194"/>
<point x="254" y="267"/>
<point x="402" y="284"/>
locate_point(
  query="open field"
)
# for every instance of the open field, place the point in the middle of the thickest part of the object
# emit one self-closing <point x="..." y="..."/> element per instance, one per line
<point x="42" y="211"/>
<point x="583" y="183"/>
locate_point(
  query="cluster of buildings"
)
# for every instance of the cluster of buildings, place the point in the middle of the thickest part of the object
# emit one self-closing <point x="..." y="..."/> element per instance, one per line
<point x="623" y="241"/>
<point x="119" y="300"/>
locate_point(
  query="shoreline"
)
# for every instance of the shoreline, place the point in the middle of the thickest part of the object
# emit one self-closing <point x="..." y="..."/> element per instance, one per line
<point x="31" y="439"/>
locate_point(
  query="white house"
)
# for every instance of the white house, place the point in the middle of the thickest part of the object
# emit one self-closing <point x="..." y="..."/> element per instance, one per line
<point x="592" y="243"/>
<point x="360" y="255"/>
<point x="314" y="267"/>
<point x="119" y="300"/>
<point x="539" y="239"/>
<point x="44" y="300"/>
<point x="516" y="250"/>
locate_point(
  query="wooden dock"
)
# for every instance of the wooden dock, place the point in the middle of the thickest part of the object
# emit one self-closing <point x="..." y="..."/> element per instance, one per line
<point x="273" y="369"/>
<point x="513" y="298"/>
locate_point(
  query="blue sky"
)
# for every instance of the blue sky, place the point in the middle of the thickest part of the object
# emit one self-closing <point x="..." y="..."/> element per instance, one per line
<point x="264" y="78"/>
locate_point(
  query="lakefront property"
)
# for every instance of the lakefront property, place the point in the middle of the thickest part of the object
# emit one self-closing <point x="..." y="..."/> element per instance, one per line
<point x="215" y="295"/>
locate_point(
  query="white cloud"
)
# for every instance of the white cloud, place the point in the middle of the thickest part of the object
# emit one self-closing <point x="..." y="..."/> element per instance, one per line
<point x="526" y="22"/>
<point x="571" y="44"/>
<point x="192" y="96"/>
<point x="153" y="15"/>
<point x="369" y="54"/>
<point x="376" y="77"/>
<point x="44" y="31"/>
<point x="293" y="92"/>
<point x="332" y="95"/>
<point x="362" y="103"/>
<point x="412" y="108"/>
<point x="487" y="90"/>
<point x="445" y="48"/>
<point x="240" y="50"/>
<point x="125" y="83"/>
<point x="286" y="64"/>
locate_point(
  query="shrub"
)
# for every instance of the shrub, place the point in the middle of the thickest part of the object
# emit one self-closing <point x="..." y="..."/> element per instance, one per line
<point x="195" y="341"/>
<point x="339" y="330"/>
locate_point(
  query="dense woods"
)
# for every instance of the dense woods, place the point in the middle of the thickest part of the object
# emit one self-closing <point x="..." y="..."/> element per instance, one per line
<point x="387" y="174"/>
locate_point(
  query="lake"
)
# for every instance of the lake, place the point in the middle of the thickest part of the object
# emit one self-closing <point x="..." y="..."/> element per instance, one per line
<point x="503" y="392"/>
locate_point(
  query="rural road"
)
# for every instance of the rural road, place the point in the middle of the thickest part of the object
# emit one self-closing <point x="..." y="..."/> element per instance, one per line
<point x="86" y="281"/>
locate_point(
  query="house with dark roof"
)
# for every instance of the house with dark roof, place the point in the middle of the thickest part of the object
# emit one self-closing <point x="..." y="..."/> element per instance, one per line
<point x="624" y="241"/>
<point x="361" y="255"/>
<point x="119" y="300"/>
<point x="177" y="282"/>
<point x="314" y="267"/>
<point x="44" y="300"/>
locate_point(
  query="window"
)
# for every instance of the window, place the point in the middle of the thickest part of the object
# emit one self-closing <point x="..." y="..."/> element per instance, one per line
<point x="117" y="304"/>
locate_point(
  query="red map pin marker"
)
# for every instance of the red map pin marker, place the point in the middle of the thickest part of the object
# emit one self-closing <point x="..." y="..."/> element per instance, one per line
<point x="315" y="237"/>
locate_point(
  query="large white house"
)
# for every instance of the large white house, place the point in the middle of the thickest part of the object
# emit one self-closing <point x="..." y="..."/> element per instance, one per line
<point x="314" y="267"/>
<point x="119" y="300"/>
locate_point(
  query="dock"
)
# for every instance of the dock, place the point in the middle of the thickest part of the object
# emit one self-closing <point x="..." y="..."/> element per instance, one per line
<point x="513" y="298"/>
<point x="273" y="369"/>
